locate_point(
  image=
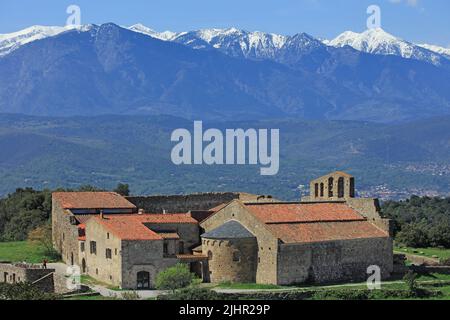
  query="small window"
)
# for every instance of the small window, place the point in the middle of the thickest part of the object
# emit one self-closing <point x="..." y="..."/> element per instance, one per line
<point x="316" y="190"/>
<point x="82" y="246"/>
<point x="210" y="255"/>
<point x="108" y="253"/>
<point x="236" y="256"/>
<point x="93" y="247"/>
<point x="341" y="187"/>
<point x="96" y="271"/>
<point x="107" y="235"/>
<point x="166" y="247"/>
<point x="330" y="187"/>
<point x="64" y="236"/>
<point x="115" y="251"/>
<point x="181" y="247"/>
<point x="352" y="187"/>
<point x="321" y="190"/>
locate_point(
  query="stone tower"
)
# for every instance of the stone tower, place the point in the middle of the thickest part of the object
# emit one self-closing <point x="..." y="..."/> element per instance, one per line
<point x="332" y="187"/>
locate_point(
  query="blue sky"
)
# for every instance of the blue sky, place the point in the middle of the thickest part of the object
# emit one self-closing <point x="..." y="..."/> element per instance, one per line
<point x="413" y="20"/>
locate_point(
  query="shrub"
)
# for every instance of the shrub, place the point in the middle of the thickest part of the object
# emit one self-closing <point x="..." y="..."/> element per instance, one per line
<point x="194" y="293"/>
<point x="24" y="291"/>
<point x="411" y="281"/>
<point x="175" y="277"/>
<point x="130" y="295"/>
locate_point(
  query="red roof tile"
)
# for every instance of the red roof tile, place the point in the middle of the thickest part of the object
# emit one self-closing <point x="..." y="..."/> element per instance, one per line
<point x="325" y="231"/>
<point x="303" y="212"/>
<point x="132" y="226"/>
<point x="92" y="200"/>
<point x="126" y="229"/>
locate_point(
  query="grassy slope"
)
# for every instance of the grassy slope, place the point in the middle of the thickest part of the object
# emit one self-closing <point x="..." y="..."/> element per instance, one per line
<point x="22" y="251"/>
<point x="426" y="252"/>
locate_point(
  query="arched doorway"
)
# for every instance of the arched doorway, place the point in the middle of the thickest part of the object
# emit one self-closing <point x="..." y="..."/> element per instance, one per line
<point x="143" y="280"/>
<point x="83" y="265"/>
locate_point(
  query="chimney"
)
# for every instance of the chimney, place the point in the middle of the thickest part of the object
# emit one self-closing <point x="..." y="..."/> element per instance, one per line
<point x="141" y="211"/>
<point x="164" y="211"/>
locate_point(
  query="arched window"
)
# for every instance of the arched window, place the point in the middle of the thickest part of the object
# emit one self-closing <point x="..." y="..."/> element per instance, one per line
<point x="321" y="189"/>
<point x="316" y="190"/>
<point x="210" y="255"/>
<point x="341" y="187"/>
<point x="330" y="187"/>
<point x="352" y="187"/>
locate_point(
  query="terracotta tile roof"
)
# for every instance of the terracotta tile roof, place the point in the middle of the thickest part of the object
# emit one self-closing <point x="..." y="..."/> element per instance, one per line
<point x="303" y="212"/>
<point x="92" y="200"/>
<point x="126" y="229"/>
<point x="132" y="226"/>
<point x="325" y="231"/>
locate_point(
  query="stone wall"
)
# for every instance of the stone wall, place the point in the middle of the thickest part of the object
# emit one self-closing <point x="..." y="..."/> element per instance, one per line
<point x="64" y="234"/>
<point x="97" y="265"/>
<point x="188" y="232"/>
<point x="185" y="203"/>
<point x="266" y="270"/>
<point x="14" y="273"/>
<point x="139" y="256"/>
<point x="232" y="260"/>
<point x="333" y="261"/>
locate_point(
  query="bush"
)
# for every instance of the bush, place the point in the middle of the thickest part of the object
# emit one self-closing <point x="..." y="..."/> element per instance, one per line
<point x="24" y="291"/>
<point x="130" y="295"/>
<point x="175" y="277"/>
<point x="194" y="293"/>
<point x="411" y="281"/>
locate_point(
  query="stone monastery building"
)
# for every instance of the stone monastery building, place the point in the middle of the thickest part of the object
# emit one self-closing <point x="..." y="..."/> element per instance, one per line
<point x="329" y="236"/>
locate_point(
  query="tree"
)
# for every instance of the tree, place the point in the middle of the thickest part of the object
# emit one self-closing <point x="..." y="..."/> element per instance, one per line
<point x="175" y="277"/>
<point x="411" y="281"/>
<point x="42" y="236"/>
<point x="413" y="235"/>
<point x="122" y="189"/>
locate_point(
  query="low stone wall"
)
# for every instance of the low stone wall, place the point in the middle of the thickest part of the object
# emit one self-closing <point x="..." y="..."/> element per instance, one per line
<point x="185" y="203"/>
<point x="13" y="273"/>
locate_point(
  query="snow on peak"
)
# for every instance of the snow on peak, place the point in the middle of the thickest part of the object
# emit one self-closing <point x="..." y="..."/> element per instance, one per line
<point x="441" y="50"/>
<point x="12" y="41"/>
<point x="378" y="41"/>
<point x="166" y="35"/>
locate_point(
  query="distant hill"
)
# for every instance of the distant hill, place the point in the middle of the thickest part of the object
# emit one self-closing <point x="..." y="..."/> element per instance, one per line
<point x="112" y="70"/>
<point x="104" y="150"/>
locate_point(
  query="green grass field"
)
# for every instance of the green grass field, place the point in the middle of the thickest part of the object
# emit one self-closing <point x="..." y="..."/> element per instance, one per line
<point x="22" y="251"/>
<point x="426" y="252"/>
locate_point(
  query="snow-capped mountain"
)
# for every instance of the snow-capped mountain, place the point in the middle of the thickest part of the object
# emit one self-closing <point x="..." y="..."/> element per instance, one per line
<point x="442" y="51"/>
<point x="378" y="41"/>
<point x="257" y="45"/>
<point x="11" y="41"/>
<point x="166" y="35"/>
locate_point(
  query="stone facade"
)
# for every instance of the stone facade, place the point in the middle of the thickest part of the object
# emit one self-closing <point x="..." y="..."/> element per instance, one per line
<point x="231" y="260"/>
<point x="267" y="244"/>
<point x="65" y="233"/>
